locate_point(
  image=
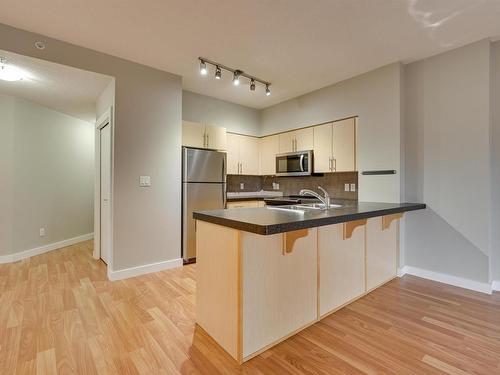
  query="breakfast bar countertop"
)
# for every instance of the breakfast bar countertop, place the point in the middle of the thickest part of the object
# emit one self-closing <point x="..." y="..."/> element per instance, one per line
<point x="272" y="219"/>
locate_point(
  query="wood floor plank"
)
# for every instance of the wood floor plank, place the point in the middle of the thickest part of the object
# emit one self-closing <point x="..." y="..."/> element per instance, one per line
<point x="60" y="314"/>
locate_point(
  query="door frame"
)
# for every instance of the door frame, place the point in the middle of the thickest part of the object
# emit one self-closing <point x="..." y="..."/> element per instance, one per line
<point x="106" y="119"/>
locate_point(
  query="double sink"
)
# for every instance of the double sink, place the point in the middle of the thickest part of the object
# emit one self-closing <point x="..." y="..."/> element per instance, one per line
<point x="305" y="207"/>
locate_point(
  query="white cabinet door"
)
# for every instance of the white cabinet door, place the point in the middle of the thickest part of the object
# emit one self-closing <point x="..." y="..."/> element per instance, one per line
<point x="341" y="266"/>
<point x="323" y="148"/>
<point x="193" y="134"/>
<point x="344" y="145"/>
<point x="287" y="142"/>
<point x="382" y="247"/>
<point x="269" y="147"/>
<point x="249" y="155"/>
<point x="233" y="153"/>
<point x="304" y="139"/>
<point x="216" y="137"/>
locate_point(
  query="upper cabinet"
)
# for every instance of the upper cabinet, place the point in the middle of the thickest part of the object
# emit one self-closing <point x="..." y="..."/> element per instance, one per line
<point x="242" y="154"/>
<point x="297" y="140"/>
<point x="269" y="147"/>
<point x="335" y="146"/>
<point x="195" y="134"/>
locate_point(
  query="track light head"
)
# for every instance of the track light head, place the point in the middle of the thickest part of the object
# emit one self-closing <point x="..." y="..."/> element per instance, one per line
<point x="252" y="85"/>
<point x="218" y="73"/>
<point x="268" y="92"/>
<point x="203" y="68"/>
<point x="236" y="77"/>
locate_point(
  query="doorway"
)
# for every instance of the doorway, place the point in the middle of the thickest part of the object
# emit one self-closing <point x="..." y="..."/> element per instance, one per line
<point x="103" y="201"/>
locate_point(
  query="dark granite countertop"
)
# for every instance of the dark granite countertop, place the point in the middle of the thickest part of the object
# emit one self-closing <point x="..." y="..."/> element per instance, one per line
<point x="269" y="220"/>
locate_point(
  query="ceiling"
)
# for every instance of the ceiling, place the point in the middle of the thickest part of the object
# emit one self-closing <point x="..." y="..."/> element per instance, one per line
<point x="65" y="89"/>
<point x="298" y="45"/>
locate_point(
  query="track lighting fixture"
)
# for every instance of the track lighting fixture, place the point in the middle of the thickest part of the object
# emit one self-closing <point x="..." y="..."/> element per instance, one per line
<point x="203" y="68"/>
<point x="237" y="74"/>
<point x="236" y="77"/>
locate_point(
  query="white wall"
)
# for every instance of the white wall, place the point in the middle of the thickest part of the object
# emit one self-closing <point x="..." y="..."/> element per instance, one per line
<point x="447" y="119"/>
<point x="495" y="161"/>
<point x="106" y="99"/>
<point x="148" y="107"/>
<point x="50" y="169"/>
<point x="6" y="152"/>
<point x="375" y="98"/>
<point x="236" y="118"/>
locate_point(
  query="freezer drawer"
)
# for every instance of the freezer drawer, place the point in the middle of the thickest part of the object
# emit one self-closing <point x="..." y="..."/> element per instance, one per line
<point x="198" y="197"/>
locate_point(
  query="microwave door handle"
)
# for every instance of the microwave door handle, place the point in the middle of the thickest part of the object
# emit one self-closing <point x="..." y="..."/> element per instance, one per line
<point x="302" y="162"/>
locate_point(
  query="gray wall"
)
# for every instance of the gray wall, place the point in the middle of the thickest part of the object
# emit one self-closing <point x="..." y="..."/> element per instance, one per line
<point x="236" y="118"/>
<point x="495" y="162"/>
<point x="50" y="169"/>
<point x="375" y="98"/>
<point x="146" y="224"/>
<point x="447" y="162"/>
<point x="6" y="152"/>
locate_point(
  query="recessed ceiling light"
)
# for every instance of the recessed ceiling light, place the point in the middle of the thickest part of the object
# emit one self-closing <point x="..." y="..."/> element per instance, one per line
<point x="10" y="73"/>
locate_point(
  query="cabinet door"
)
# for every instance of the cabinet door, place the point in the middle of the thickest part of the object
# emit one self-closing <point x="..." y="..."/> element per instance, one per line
<point x="381" y="252"/>
<point x="249" y="155"/>
<point x="244" y="204"/>
<point x="216" y="137"/>
<point x="193" y="134"/>
<point x="279" y="288"/>
<point x="341" y="266"/>
<point x="344" y="145"/>
<point x="322" y="148"/>
<point x="287" y="142"/>
<point x="304" y="139"/>
<point x="233" y="153"/>
<point x="269" y="147"/>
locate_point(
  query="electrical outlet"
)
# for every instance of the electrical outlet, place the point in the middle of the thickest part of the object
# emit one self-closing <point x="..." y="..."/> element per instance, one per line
<point x="242" y="186"/>
<point x="144" y="181"/>
<point x="346" y="187"/>
<point x="353" y="187"/>
<point x="276" y="186"/>
<point x="42" y="232"/>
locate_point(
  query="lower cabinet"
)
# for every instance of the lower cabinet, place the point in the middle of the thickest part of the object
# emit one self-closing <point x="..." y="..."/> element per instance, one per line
<point x="341" y="251"/>
<point x="245" y="204"/>
<point x="382" y="247"/>
<point x="279" y="286"/>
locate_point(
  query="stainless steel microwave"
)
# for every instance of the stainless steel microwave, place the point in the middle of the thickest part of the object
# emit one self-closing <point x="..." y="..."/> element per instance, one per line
<point x="298" y="163"/>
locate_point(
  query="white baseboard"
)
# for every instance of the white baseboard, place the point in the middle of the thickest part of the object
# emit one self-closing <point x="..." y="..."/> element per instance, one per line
<point x="45" y="248"/>
<point x="142" y="270"/>
<point x="495" y="285"/>
<point x="447" y="279"/>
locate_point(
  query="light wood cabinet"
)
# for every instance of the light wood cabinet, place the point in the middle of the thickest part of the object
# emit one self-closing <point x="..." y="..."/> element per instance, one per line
<point x="245" y="204"/>
<point x="335" y="146"/>
<point x="268" y="148"/>
<point x="242" y="154"/>
<point x="200" y="135"/>
<point x="382" y="246"/>
<point x="297" y="140"/>
<point x="341" y="266"/>
<point x="279" y="288"/>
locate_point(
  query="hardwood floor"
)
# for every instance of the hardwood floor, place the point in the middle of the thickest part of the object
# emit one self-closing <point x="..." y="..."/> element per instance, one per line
<point x="59" y="314"/>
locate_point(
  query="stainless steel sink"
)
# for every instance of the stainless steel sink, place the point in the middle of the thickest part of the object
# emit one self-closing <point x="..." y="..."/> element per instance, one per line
<point x="305" y="207"/>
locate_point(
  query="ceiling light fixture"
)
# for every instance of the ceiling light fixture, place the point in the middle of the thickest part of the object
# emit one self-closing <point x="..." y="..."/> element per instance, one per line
<point x="10" y="73"/>
<point x="237" y="74"/>
<point x="236" y="77"/>
<point x="203" y="68"/>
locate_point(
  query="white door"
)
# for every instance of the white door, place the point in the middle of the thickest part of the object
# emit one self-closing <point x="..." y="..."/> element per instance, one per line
<point x="105" y="178"/>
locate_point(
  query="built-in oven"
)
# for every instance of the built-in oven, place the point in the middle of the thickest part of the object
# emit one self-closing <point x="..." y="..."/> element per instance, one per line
<point x="298" y="163"/>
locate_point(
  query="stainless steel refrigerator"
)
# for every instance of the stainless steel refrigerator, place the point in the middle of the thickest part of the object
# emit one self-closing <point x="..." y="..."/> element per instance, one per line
<point x="203" y="188"/>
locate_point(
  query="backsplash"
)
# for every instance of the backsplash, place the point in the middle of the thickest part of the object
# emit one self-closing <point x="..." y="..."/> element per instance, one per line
<point x="331" y="182"/>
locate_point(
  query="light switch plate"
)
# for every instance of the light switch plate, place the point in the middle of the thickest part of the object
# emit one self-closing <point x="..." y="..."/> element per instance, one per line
<point x="42" y="232"/>
<point x="144" y="181"/>
<point x="353" y="187"/>
<point x="346" y="187"/>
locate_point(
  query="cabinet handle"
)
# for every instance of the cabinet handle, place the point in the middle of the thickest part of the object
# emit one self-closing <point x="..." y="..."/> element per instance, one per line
<point x="208" y="140"/>
<point x="330" y="164"/>
<point x="335" y="166"/>
<point x="241" y="171"/>
<point x="204" y="139"/>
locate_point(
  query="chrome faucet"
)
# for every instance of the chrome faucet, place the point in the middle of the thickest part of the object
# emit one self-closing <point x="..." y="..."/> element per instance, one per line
<point x="325" y="200"/>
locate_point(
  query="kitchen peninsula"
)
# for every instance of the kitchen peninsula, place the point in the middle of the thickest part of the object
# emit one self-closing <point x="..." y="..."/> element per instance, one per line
<point x="263" y="274"/>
